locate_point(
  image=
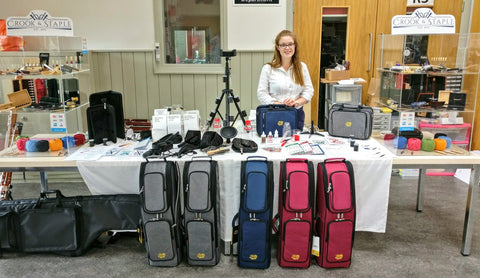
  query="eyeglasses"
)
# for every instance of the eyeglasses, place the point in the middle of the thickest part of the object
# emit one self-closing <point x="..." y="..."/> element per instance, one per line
<point x="284" y="46"/>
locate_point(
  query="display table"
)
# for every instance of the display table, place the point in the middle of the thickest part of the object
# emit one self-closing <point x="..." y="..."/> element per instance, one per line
<point x="117" y="174"/>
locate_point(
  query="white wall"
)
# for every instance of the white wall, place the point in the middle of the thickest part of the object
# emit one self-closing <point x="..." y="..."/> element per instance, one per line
<point x="254" y="27"/>
<point x="107" y="24"/>
<point x="129" y="24"/>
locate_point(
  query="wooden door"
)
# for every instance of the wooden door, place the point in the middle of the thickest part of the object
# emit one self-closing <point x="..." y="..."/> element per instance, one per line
<point x="359" y="46"/>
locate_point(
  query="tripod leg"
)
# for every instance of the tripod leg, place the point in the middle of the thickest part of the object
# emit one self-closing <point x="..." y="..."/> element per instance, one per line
<point x="214" y="113"/>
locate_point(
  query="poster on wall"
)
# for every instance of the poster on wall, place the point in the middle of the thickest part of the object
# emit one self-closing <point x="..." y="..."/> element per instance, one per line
<point x="39" y="23"/>
<point x="423" y="21"/>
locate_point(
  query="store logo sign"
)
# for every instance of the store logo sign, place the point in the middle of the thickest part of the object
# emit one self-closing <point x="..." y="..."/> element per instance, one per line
<point x="39" y="23"/>
<point x="423" y="21"/>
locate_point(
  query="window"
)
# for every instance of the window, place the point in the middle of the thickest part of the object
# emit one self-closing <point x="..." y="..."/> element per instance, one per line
<point x="189" y="33"/>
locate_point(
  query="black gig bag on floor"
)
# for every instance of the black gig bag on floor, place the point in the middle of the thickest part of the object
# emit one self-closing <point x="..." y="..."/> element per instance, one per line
<point x="160" y="225"/>
<point x="295" y="212"/>
<point x="273" y="116"/>
<point x="255" y="213"/>
<point x="350" y="121"/>
<point x="335" y="223"/>
<point x="201" y="223"/>
<point x="64" y="225"/>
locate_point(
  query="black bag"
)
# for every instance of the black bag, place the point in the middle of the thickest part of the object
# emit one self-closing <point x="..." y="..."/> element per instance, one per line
<point x="272" y="117"/>
<point x="201" y="217"/>
<point x="415" y="133"/>
<point x="350" y="121"/>
<point x="101" y="123"/>
<point x="161" y="216"/>
<point x="244" y="145"/>
<point x="114" y="99"/>
<point x="64" y="225"/>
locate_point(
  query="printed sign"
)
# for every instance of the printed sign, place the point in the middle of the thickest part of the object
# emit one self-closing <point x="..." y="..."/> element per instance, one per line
<point x="57" y="122"/>
<point x="407" y="121"/>
<point x="423" y="21"/>
<point x="422" y="3"/>
<point x="39" y="23"/>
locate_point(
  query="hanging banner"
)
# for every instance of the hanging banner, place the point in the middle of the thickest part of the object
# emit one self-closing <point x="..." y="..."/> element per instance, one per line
<point x="39" y="23"/>
<point x="423" y="21"/>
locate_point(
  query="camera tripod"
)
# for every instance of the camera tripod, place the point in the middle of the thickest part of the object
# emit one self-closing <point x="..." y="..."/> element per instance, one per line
<point x="228" y="130"/>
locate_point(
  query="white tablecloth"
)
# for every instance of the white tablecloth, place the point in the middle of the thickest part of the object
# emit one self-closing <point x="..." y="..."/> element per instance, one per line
<point x="372" y="165"/>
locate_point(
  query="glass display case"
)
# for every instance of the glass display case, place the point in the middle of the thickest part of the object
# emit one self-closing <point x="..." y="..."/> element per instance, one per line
<point x="428" y="81"/>
<point x="45" y="83"/>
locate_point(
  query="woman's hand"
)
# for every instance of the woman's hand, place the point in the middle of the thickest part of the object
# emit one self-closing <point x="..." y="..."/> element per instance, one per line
<point x="289" y="102"/>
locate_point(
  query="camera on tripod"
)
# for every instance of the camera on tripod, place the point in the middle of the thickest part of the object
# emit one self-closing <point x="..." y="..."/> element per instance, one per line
<point x="231" y="53"/>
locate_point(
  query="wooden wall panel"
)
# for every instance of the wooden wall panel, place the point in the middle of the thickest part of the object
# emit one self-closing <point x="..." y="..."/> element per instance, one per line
<point x="131" y="73"/>
<point x="153" y="92"/>
<point x="115" y="70"/>
<point x="141" y="96"/>
<point x="128" y="80"/>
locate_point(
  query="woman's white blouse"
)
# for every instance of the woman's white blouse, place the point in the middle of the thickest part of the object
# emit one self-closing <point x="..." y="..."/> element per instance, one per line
<point x="276" y="84"/>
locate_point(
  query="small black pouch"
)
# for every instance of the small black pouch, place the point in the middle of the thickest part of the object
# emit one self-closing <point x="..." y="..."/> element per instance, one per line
<point x="244" y="145"/>
<point x="415" y="133"/>
<point x="193" y="137"/>
<point x="211" y="138"/>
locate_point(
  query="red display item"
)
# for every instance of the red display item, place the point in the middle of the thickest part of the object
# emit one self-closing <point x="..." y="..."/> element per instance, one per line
<point x="55" y="144"/>
<point x="414" y="144"/>
<point x="79" y="139"/>
<point x="21" y="142"/>
<point x="440" y="144"/>
<point x="388" y="136"/>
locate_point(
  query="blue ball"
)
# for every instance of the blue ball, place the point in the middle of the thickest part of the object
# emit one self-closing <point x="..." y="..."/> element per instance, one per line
<point x="448" y="139"/>
<point x="68" y="141"/>
<point x="400" y="142"/>
<point x="36" y="145"/>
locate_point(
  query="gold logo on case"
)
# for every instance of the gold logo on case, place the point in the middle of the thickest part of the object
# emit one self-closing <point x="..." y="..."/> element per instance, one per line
<point x="161" y="255"/>
<point x="201" y="255"/>
<point x="348" y="124"/>
<point x="338" y="257"/>
<point x="253" y="257"/>
<point x="280" y="123"/>
<point x="295" y="257"/>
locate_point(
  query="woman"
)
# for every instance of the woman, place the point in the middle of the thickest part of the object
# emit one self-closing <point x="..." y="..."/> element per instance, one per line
<point x="285" y="80"/>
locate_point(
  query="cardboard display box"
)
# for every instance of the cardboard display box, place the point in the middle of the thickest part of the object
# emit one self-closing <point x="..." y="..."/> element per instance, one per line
<point x="337" y="74"/>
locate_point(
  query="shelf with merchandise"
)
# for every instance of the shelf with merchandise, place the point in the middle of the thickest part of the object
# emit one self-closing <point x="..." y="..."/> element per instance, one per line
<point x="46" y="81"/>
<point x="428" y="77"/>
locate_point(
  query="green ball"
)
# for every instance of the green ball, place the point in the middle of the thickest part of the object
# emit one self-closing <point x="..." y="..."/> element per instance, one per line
<point x="428" y="144"/>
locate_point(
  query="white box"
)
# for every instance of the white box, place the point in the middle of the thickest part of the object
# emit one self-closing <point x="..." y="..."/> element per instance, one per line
<point x="158" y="112"/>
<point x="191" y="121"/>
<point x="159" y="122"/>
<point x="174" y="123"/>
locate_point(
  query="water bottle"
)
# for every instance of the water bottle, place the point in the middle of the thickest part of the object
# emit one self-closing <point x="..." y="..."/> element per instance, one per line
<point x="287" y="130"/>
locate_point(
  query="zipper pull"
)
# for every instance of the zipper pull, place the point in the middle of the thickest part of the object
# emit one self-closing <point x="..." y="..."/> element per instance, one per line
<point x="329" y="187"/>
<point x="186" y="188"/>
<point x="286" y="186"/>
<point x="244" y="188"/>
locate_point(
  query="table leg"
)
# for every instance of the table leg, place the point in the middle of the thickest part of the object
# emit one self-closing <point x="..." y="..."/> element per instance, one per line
<point x="470" y="209"/>
<point x="420" y="189"/>
<point x="43" y="181"/>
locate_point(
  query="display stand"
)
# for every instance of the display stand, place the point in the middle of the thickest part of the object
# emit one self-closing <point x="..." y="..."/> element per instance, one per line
<point x="228" y="130"/>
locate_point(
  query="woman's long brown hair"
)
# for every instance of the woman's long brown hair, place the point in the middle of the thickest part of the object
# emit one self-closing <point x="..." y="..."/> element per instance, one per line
<point x="297" y="73"/>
